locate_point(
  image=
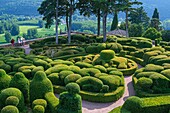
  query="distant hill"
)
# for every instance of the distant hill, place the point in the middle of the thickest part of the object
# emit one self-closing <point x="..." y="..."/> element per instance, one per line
<point x="162" y="5"/>
<point x="29" y="7"/>
<point x="19" y="7"/>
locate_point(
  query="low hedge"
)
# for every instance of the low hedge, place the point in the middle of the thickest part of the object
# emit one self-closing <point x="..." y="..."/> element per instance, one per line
<point x="10" y="109"/>
<point x="97" y="97"/>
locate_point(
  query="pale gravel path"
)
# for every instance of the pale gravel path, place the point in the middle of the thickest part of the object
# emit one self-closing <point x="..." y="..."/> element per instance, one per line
<point x="27" y="48"/>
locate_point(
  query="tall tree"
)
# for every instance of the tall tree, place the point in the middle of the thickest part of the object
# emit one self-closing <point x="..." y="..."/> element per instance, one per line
<point x="8" y="36"/>
<point x="15" y="30"/>
<point x="155" y="20"/>
<point x="126" y="6"/>
<point x="114" y="22"/>
<point x="155" y="14"/>
<point x="89" y="7"/>
<point x="51" y="11"/>
<point x="139" y="16"/>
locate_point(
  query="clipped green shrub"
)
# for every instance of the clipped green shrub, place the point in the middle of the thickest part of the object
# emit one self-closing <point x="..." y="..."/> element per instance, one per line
<point x="92" y="49"/>
<point x="52" y="102"/>
<point x="10" y="109"/>
<point x="22" y="83"/>
<point x="4" y="79"/>
<point x="4" y="66"/>
<point x="12" y="100"/>
<point x="147" y="55"/>
<point x="43" y="63"/>
<point x="17" y="66"/>
<point x="90" y="84"/>
<point x="153" y="59"/>
<point x="144" y="44"/>
<point x="39" y="68"/>
<point x="57" y="69"/>
<point x="133" y="104"/>
<point x="39" y="86"/>
<point x="73" y="88"/>
<point x="38" y="109"/>
<point x="100" y="74"/>
<point x="112" y="81"/>
<point x="160" y="81"/>
<point x="107" y="54"/>
<point x="114" y="46"/>
<point x="152" y="67"/>
<point x="166" y="73"/>
<point x="41" y="102"/>
<point x="74" y="69"/>
<point x="83" y="65"/>
<point x="117" y="73"/>
<point x="55" y="79"/>
<point x="145" y="74"/>
<point x="101" y="68"/>
<point x="64" y="74"/>
<point x="68" y="98"/>
<point x="129" y="48"/>
<point x="12" y="92"/>
<point x="71" y="78"/>
<point x="145" y="83"/>
<point x="90" y="71"/>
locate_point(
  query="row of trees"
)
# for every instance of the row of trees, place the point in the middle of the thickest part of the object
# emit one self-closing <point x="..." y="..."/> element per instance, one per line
<point x="53" y="9"/>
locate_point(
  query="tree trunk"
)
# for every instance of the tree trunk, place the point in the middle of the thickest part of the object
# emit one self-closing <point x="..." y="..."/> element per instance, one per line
<point x="104" y="26"/>
<point x="57" y="22"/>
<point x="127" y="26"/>
<point x="67" y="24"/>
<point x="98" y="22"/>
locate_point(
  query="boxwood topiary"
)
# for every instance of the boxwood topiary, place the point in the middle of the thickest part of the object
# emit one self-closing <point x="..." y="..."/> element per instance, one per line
<point x="152" y="67"/>
<point x="12" y="92"/>
<point x="4" y="79"/>
<point x="133" y="104"/>
<point x="41" y="102"/>
<point x="166" y="73"/>
<point x="22" y="83"/>
<point x="10" y="109"/>
<point x="38" y="109"/>
<point x="39" y="68"/>
<point x="90" y="84"/>
<point x="90" y="71"/>
<point x="100" y="74"/>
<point x="112" y="81"/>
<point x="83" y="65"/>
<point x="55" y="79"/>
<point x="43" y="63"/>
<point x="145" y="83"/>
<point x="39" y="86"/>
<point x="64" y="74"/>
<point x="12" y="100"/>
<point x="107" y="54"/>
<point x="70" y="102"/>
<point x="74" y="69"/>
<point x="101" y="68"/>
<point x="57" y="69"/>
<point x="71" y="78"/>
<point x="117" y="73"/>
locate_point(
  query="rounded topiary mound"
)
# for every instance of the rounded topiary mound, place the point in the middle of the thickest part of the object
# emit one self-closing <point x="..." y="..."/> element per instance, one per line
<point x="55" y="79"/>
<point x="145" y="83"/>
<point x="89" y="83"/>
<point x="9" y="109"/>
<point x="38" y="109"/>
<point x="73" y="88"/>
<point x="39" y="86"/>
<point x="107" y="54"/>
<point x="63" y="74"/>
<point x="22" y="83"/>
<point x="12" y="92"/>
<point x="41" y="102"/>
<point x="4" y="80"/>
<point x="12" y="100"/>
<point x="72" y="78"/>
<point x="39" y="68"/>
<point x="133" y="104"/>
<point x="112" y="81"/>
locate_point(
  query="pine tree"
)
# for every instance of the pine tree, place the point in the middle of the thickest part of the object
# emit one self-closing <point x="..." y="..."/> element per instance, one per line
<point x="156" y="14"/>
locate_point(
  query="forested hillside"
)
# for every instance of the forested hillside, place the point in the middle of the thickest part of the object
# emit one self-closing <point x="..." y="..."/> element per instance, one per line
<point x="19" y="7"/>
<point x="29" y="7"/>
